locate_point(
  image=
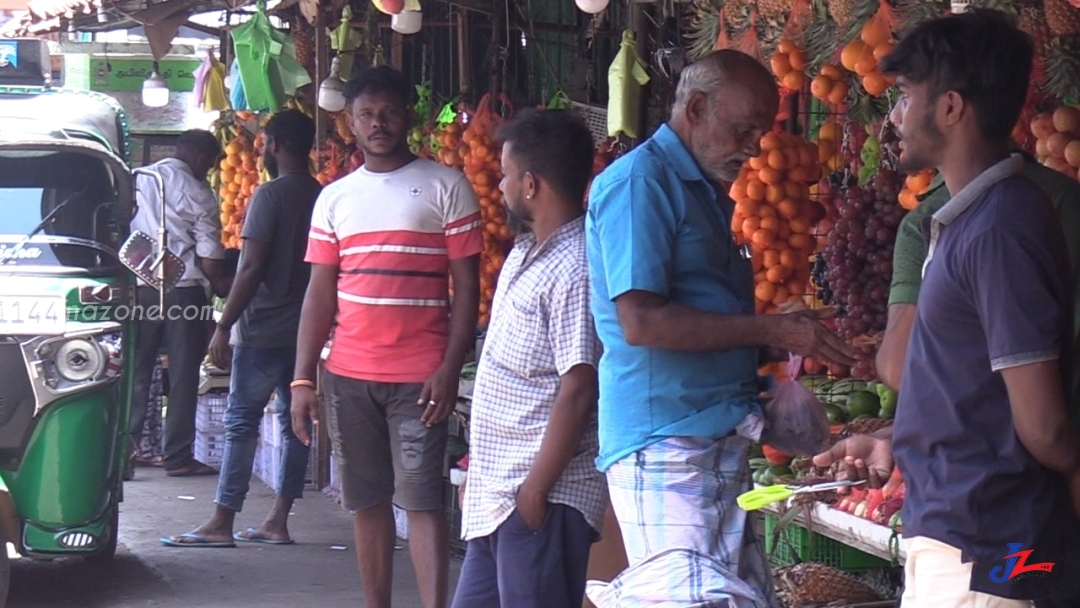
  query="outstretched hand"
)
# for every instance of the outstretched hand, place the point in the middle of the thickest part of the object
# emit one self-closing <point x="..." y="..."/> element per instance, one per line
<point x="860" y="457"/>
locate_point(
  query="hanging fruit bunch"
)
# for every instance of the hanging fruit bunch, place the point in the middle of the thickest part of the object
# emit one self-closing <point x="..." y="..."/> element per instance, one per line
<point x="333" y="159"/>
<point x="1058" y="140"/>
<point x="484" y="171"/>
<point x="830" y="138"/>
<point x="915" y="186"/>
<point x="862" y="55"/>
<point x="445" y="141"/>
<point x="829" y="86"/>
<point x="239" y="177"/>
<point x="422" y="117"/>
<point x="859" y="260"/>
<point x="788" y="65"/>
<point x="772" y="215"/>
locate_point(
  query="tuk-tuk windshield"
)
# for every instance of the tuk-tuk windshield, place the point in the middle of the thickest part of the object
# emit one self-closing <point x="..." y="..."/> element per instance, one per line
<point x="34" y="184"/>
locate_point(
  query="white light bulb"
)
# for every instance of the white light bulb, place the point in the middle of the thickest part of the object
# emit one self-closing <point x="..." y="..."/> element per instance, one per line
<point x="155" y="91"/>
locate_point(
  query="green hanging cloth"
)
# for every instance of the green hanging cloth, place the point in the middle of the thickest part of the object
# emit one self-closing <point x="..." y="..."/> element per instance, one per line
<point x="344" y="39"/>
<point x="255" y="46"/>
<point x="626" y="76"/>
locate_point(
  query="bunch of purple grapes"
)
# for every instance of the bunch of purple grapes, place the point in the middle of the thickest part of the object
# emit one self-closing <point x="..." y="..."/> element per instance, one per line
<point x="858" y="259"/>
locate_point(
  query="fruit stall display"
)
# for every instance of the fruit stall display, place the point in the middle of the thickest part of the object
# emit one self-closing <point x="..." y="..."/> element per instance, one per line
<point x="826" y="55"/>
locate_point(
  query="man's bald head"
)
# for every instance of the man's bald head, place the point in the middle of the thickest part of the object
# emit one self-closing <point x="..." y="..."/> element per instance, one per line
<point x="723" y="73"/>
<point x="724" y="103"/>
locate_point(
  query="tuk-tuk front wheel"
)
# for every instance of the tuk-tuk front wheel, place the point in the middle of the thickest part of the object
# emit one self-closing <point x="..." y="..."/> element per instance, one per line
<point x="108" y="551"/>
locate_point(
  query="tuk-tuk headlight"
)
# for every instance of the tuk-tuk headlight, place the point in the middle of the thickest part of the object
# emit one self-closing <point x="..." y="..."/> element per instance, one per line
<point x="79" y="360"/>
<point x="70" y="363"/>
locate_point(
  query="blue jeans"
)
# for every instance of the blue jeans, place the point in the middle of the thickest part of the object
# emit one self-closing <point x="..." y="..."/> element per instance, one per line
<point x="257" y="373"/>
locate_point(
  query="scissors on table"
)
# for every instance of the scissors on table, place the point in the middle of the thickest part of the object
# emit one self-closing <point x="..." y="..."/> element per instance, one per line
<point x="762" y="497"/>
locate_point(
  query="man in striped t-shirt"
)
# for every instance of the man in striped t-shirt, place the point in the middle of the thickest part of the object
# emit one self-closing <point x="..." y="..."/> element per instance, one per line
<point x="383" y="242"/>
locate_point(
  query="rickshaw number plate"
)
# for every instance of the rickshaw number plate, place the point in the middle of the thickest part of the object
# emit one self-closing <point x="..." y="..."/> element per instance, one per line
<point x="35" y="315"/>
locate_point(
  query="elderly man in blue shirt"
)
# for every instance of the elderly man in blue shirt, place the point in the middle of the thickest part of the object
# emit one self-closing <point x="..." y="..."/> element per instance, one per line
<point x="674" y="307"/>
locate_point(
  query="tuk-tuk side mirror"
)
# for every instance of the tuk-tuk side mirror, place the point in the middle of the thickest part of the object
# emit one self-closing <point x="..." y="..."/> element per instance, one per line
<point x="138" y="254"/>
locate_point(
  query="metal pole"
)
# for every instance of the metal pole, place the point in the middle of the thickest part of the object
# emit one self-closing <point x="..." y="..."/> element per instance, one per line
<point x="322" y="70"/>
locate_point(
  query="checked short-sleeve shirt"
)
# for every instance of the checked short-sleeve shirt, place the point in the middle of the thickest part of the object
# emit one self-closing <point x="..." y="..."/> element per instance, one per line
<point x="541" y="328"/>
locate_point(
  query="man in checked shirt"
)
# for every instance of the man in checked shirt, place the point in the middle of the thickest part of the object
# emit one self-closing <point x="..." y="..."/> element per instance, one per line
<point x="534" y="499"/>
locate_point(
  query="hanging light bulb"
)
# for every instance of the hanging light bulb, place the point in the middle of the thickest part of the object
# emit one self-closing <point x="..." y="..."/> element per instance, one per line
<point x="155" y="91"/>
<point x="102" y="14"/>
<point x="591" y="6"/>
<point x="332" y="90"/>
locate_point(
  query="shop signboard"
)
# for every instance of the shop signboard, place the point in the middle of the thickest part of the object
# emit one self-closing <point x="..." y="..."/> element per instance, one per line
<point x="112" y="74"/>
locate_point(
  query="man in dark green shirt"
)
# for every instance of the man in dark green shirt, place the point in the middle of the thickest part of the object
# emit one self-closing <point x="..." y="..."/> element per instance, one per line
<point x="910" y="252"/>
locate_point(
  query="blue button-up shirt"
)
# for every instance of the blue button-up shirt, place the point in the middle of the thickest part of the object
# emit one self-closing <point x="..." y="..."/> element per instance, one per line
<point x="656" y="224"/>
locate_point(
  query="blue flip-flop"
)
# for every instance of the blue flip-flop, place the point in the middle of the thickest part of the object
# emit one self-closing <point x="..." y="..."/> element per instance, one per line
<point x="194" y="540"/>
<point x="253" y="536"/>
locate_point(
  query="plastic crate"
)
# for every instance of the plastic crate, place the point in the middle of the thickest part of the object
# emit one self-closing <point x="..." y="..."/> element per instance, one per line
<point x="210" y="449"/>
<point x="273" y="458"/>
<point x="210" y="411"/>
<point x="796" y="544"/>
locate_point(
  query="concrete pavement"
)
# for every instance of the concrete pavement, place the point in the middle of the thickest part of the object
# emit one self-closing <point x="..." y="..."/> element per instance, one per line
<point x="311" y="573"/>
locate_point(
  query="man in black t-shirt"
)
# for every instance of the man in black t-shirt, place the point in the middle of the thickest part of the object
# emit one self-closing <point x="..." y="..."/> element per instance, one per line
<point x="262" y="315"/>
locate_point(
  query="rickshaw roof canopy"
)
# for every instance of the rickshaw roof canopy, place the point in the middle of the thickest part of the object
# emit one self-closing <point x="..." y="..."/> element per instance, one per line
<point x="62" y="116"/>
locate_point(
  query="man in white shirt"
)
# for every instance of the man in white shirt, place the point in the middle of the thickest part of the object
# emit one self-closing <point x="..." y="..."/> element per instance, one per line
<point x="194" y="229"/>
<point x="534" y="500"/>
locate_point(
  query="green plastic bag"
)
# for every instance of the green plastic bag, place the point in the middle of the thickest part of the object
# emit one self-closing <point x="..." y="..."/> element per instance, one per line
<point x="345" y="39"/>
<point x="286" y="73"/>
<point x="255" y="45"/>
<point x="626" y="76"/>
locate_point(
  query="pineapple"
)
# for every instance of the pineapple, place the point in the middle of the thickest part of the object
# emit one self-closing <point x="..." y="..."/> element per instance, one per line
<point x="704" y="27"/>
<point x="304" y="38"/>
<point x="774" y="11"/>
<point x="1061" y="17"/>
<point x="817" y="584"/>
<point x="737" y="14"/>
<point x="1032" y="22"/>
<point x="843" y="12"/>
<point x="914" y="12"/>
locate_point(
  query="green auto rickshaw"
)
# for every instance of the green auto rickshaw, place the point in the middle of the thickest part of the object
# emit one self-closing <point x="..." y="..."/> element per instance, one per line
<point x="67" y="305"/>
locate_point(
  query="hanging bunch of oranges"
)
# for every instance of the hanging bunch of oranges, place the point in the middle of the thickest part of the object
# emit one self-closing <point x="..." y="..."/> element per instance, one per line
<point x="914" y="186"/>
<point x="829" y="85"/>
<point x="772" y="215"/>
<point x="239" y="177"/>
<point x="447" y="144"/>
<point x="482" y="167"/>
<point x="788" y="65"/>
<point x="863" y="53"/>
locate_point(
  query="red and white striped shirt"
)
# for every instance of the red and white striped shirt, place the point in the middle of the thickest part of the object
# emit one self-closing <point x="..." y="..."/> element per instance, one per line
<point x="392" y="236"/>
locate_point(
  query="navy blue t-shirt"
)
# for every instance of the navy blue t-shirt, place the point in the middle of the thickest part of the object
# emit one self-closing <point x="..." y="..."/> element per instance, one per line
<point x="995" y="295"/>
